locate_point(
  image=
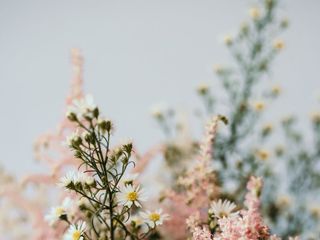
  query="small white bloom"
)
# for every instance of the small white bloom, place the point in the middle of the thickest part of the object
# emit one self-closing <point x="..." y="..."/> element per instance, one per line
<point x="131" y="195"/>
<point x="75" y="231"/>
<point x="72" y="137"/>
<point x="68" y="179"/>
<point x="83" y="178"/>
<point x="56" y="212"/>
<point x="221" y="209"/>
<point x="82" y="106"/>
<point x="154" y="218"/>
<point x="89" y="180"/>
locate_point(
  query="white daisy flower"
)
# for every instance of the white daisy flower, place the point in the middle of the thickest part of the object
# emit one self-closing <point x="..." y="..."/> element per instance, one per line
<point x="221" y="209"/>
<point x="82" y="106"/>
<point x="56" y="212"/>
<point x="154" y="218"/>
<point x="75" y="136"/>
<point x="84" y="178"/>
<point x="68" y="179"/>
<point x="75" y="231"/>
<point x="131" y="195"/>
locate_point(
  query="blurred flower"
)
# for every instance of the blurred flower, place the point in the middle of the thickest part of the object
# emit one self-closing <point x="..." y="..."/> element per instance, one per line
<point x="68" y="179"/>
<point x="315" y="117"/>
<point x="244" y="28"/>
<point x="259" y="106"/>
<point x="201" y="234"/>
<point x="222" y="209"/>
<point x="82" y="106"/>
<point x="283" y="201"/>
<point x="254" y="13"/>
<point x="158" y="111"/>
<point x="193" y="220"/>
<point x="284" y="23"/>
<point x="267" y="129"/>
<point x="154" y="218"/>
<point x="279" y="150"/>
<point x="315" y="210"/>
<point x="278" y="44"/>
<point x="218" y="69"/>
<point x="276" y="90"/>
<point x="203" y="89"/>
<point x="262" y="154"/>
<point x="228" y="40"/>
<point x="57" y="212"/>
<point x="75" y="231"/>
<point x="73" y="139"/>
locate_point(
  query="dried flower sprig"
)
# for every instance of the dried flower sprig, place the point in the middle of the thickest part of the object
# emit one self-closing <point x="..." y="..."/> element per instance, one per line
<point x="111" y="198"/>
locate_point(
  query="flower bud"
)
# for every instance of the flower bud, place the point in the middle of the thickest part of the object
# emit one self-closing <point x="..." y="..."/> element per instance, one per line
<point x="203" y="89"/>
<point x="284" y="23"/>
<point x="228" y="40"/>
<point x="95" y="112"/>
<point x="72" y="116"/>
<point x="105" y="125"/>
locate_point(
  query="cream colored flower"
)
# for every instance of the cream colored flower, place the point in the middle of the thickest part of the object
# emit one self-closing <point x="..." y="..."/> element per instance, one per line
<point x="131" y="195"/>
<point x="58" y="211"/>
<point x="283" y="201"/>
<point x="221" y="209"/>
<point x="154" y="218"/>
<point x="75" y="231"/>
<point x="259" y="106"/>
<point x="254" y="13"/>
<point x="228" y="40"/>
<point x="218" y="69"/>
<point x="278" y="44"/>
<point x="202" y="89"/>
<point x="315" y="210"/>
<point x="262" y="154"/>
<point x="81" y="107"/>
<point x="73" y="138"/>
<point x="315" y="117"/>
<point x="68" y="179"/>
<point x="276" y="90"/>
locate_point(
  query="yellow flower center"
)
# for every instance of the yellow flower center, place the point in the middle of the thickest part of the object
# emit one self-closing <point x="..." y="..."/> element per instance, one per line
<point x="76" y="235"/>
<point x="223" y="214"/>
<point x="132" y="196"/>
<point x="154" y="217"/>
<point x="59" y="211"/>
<point x="259" y="106"/>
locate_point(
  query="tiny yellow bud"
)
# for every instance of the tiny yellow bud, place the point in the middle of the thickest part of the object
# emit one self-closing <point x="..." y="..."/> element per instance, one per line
<point x="262" y="154"/>
<point x="203" y="89"/>
<point x="255" y="13"/>
<point x="283" y="201"/>
<point x="284" y="23"/>
<point x="228" y="40"/>
<point x="218" y="69"/>
<point x="278" y="44"/>
<point x="276" y="90"/>
<point x="259" y="106"/>
<point x="315" y="117"/>
<point x="267" y="129"/>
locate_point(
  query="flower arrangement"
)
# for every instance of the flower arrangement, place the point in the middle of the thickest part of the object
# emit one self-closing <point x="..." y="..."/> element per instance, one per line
<point x="224" y="186"/>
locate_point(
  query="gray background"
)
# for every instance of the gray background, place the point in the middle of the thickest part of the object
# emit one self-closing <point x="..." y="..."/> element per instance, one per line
<point x="137" y="53"/>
